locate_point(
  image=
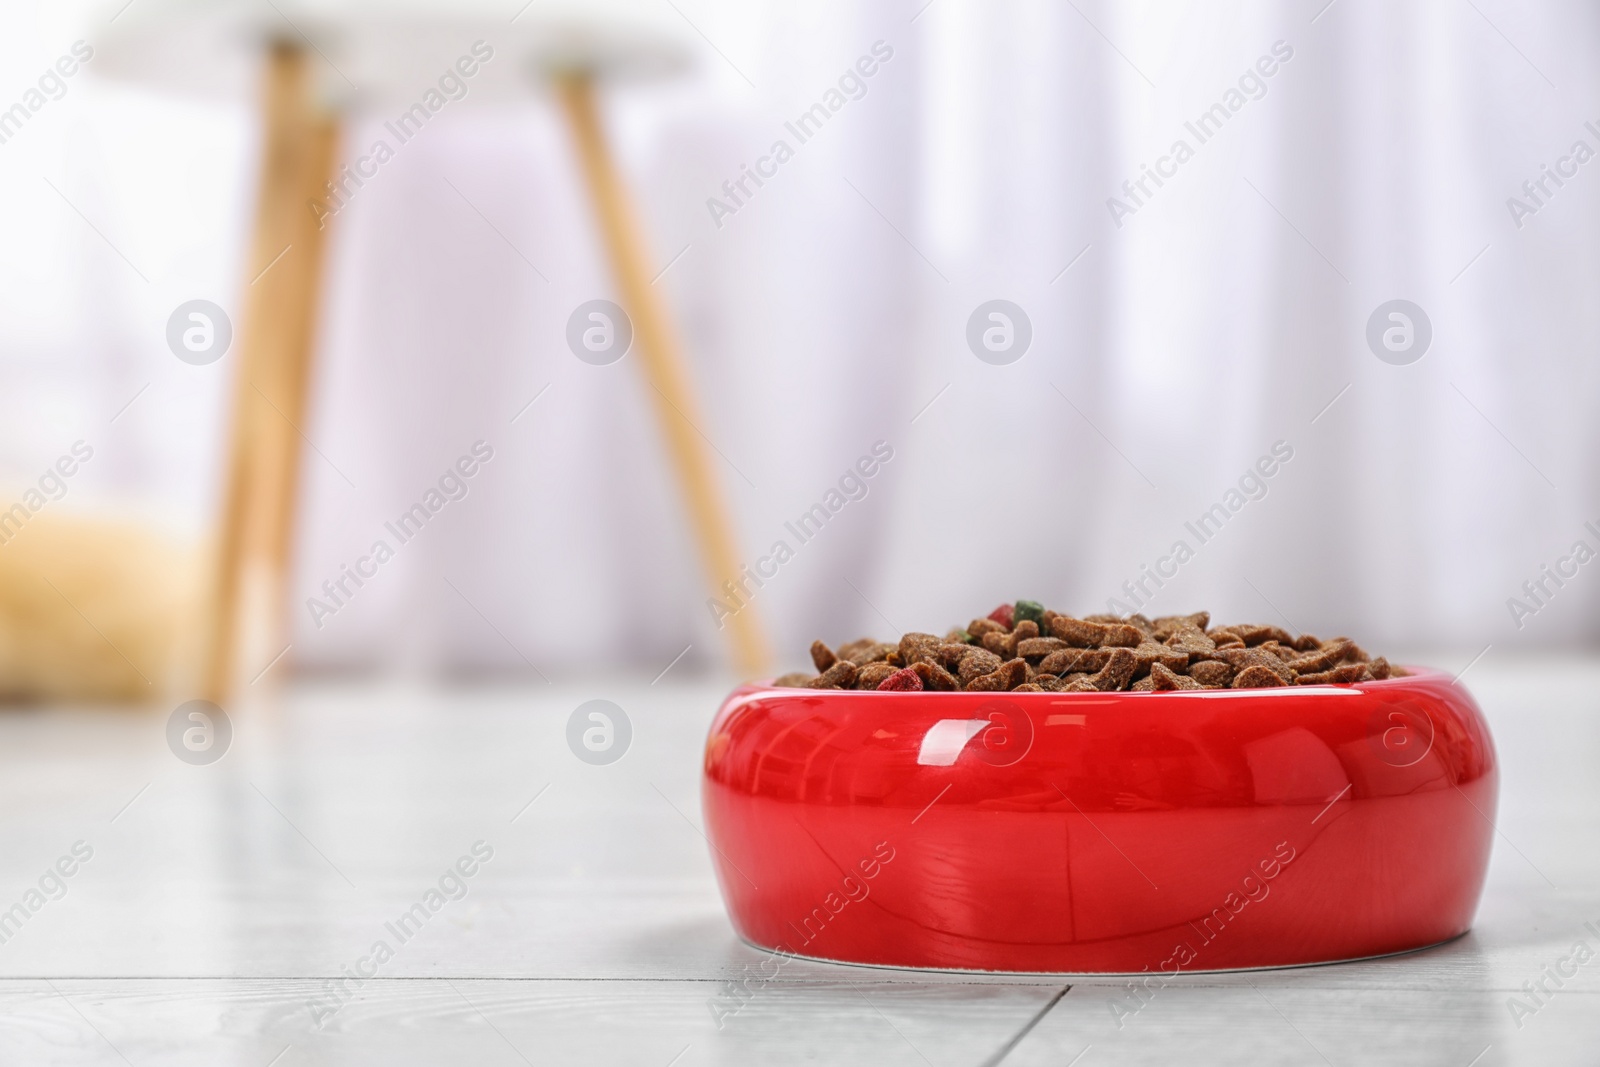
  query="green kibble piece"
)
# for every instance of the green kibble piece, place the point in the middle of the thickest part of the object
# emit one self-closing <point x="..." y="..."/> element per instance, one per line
<point x="1028" y="609"/>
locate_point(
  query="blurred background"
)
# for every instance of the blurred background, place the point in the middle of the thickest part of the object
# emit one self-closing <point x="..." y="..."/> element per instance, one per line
<point x="1172" y="331"/>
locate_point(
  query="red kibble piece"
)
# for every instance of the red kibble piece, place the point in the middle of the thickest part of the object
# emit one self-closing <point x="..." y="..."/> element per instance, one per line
<point x="906" y="679"/>
<point x="1005" y="615"/>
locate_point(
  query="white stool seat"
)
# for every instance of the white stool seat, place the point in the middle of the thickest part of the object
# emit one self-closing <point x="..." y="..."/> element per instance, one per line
<point x="383" y="53"/>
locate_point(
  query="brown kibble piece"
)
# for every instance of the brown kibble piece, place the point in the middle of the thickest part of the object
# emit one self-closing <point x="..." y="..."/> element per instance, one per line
<point x="1244" y="658"/>
<point x="976" y="663"/>
<point x="1152" y="652"/>
<point x="1328" y="655"/>
<point x="1143" y="685"/>
<point x="842" y="675"/>
<point x="870" y="675"/>
<point x="1350" y="672"/>
<point x="1163" y="679"/>
<point x="1038" y="647"/>
<point x="1306" y="643"/>
<point x="849" y="649"/>
<point x="1076" y="632"/>
<point x="1255" y="635"/>
<point x="1080" y="684"/>
<point x="1167" y="625"/>
<point x="1065" y="661"/>
<point x="1255" y="677"/>
<point x="1144" y="625"/>
<point x="1082" y="633"/>
<point x="1025" y="630"/>
<point x="978" y="627"/>
<point x="1121" y="635"/>
<point x="951" y="653"/>
<point x="1028" y="687"/>
<point x="1013" y="672"/>
<point x="1001" y="644"/>
<point x="1117" y="672"/>
<point x="984" y="683"/>
<point x="794" y="680"/>
<point x="1380" y="668"/>
<point x="872" y="652"/>
<point x="1355" y="654"/>
<point x="1212" y="672"/>
<point x="935" y="677"/>
<point x="913" y="644"/>
<point x="822" y="656"/>
<point x="1191" y="642"/>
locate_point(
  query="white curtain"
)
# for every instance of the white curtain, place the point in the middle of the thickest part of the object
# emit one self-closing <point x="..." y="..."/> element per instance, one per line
<point x="1227" y="313"/>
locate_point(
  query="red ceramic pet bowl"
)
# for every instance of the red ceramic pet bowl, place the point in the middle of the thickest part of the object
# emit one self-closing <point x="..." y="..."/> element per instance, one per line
<point x="1101" y="832"/>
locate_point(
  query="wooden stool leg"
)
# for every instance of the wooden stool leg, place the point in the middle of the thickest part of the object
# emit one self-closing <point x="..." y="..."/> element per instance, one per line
<point x="663" y="366"/>
<point x="269" y="392"/>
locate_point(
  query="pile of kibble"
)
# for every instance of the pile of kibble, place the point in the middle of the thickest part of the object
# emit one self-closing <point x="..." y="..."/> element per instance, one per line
<point x="1024" y="647"/>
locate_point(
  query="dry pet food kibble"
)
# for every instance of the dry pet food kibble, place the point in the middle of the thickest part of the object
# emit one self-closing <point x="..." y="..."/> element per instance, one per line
<point x="1026" y="647"/>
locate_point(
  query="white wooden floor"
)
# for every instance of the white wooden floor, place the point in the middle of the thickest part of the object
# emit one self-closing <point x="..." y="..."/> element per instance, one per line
<point x="220" y="902"/>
